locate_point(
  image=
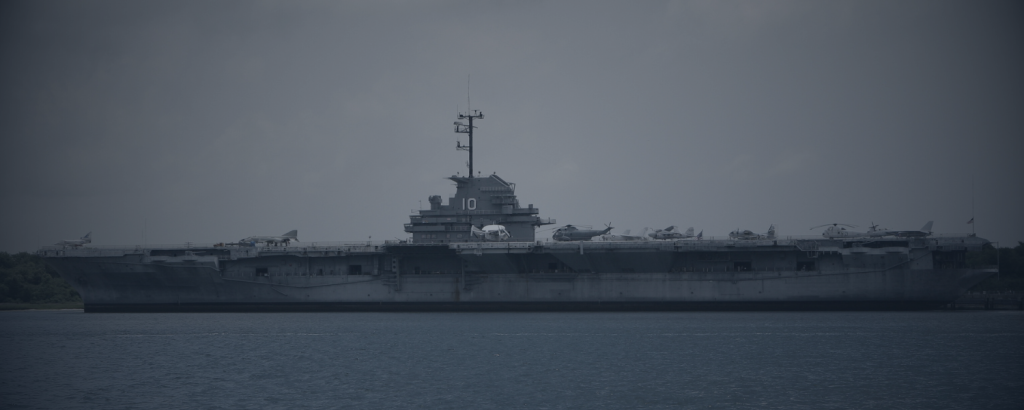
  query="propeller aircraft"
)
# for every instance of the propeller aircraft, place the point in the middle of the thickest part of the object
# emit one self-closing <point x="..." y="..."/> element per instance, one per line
<point x="671" y="233"/>
<point x="625" y="236"/>
<point x="490" y="233"/>
<point x="746" y="234"/>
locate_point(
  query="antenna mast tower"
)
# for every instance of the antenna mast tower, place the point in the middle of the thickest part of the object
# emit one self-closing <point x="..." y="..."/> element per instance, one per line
<point x="461" y="128"/>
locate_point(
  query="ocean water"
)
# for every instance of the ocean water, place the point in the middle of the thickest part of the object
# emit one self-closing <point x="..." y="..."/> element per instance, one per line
<point x="698" y="360"/>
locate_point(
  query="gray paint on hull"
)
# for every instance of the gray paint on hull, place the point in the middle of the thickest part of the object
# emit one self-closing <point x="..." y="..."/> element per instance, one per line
<point x="180" y="285"/>
<point x="518" y="306"/>
<point x="530" y="275"/>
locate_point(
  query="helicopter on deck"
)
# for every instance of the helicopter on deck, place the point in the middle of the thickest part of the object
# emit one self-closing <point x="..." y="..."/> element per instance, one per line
<point x="838" y="230"/>
<point x="572" y="233"/>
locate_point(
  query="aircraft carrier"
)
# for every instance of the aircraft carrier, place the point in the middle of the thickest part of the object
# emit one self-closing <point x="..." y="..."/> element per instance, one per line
<point x="450" y="264"/>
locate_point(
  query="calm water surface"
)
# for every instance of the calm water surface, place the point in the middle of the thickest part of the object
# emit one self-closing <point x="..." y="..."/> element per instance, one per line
<point x="819" y="360"/>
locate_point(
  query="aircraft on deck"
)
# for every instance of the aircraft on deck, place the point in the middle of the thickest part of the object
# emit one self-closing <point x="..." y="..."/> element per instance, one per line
<point x="746" y="234"/>
<point x="491" y="233"/>
<point x="572" y="233"/>
<point x="926" y="230"/>
<point x="672" y="233"/>
<point x="838" y="230"/>
<point x="625" y="236"/>
<point x="292" y="235"/>
<point x="76" y="242"/>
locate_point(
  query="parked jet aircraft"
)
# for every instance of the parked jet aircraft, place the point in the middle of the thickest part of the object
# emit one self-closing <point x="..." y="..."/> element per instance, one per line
<point x="749" y="235"/>
<point x="76" y="242"/>
<point x="624" y="237"/>
<point x="926" y="230"/>
<point x="491" y="233"/>
<point x="671" y="233"/>
<point x="272" y="240"/>
<point x="572" y="233"/>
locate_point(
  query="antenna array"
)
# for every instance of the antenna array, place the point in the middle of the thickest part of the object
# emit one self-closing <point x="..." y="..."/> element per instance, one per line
<point x="462" y="128"/>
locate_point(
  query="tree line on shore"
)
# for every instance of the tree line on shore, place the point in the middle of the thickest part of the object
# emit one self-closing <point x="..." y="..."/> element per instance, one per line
<point x="25" y="278"/>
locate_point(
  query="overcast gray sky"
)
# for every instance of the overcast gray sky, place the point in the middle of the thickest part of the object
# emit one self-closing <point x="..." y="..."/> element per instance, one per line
<point x="211" y="121"/>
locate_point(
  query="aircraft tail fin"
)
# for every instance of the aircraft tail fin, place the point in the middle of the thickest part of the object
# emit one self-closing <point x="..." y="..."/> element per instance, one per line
<point x="292" y="234"/>
<point x="927" y="227"/>
<point x="689" y="231"/>
<point x="87" y="237"/>
<point x="701" y="234"/>
<point x="771" y="231"/>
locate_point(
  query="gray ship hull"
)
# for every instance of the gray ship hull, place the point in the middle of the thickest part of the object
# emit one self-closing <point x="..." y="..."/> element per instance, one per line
<point x="500" y="278"/>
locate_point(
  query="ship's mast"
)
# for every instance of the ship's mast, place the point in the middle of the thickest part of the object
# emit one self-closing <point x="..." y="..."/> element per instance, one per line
<point x="467" y="129"/>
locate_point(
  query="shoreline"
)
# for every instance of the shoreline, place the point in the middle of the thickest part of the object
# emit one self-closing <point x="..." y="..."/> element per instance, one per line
<point x="41" y="306"/>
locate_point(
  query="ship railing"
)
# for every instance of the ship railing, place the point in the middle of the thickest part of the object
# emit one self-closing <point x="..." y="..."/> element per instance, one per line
<point x="496" y="189"/>
<point x="482" y="212"/>
<point x="1014" y="293"/>
<point x="781" y="240"/>
<point x="331" y="244"/>
<point x="187" y="245"/>
<point x="490" y="245"/>
<point x="819" y="237"/>
<point x="777" y="238"/>
<point x="207" y="245"/>
<point x="81" y="251"/>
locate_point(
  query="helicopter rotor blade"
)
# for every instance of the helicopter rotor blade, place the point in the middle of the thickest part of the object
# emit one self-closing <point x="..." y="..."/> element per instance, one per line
<point x="835" y="224"/>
